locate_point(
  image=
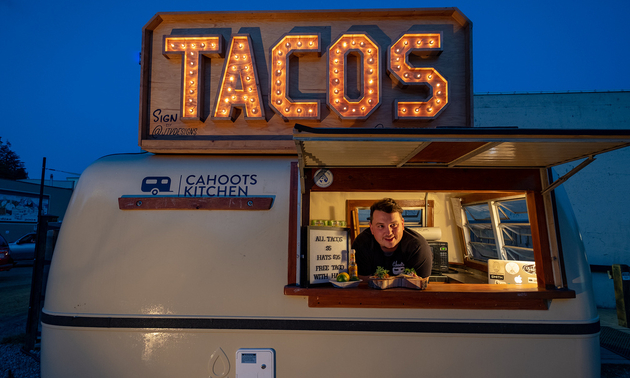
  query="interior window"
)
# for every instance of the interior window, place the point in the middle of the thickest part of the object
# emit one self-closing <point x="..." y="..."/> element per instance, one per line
<point x="415" y="214"/>
<point x="412" y="217"/>
<point x="498" y="230"/>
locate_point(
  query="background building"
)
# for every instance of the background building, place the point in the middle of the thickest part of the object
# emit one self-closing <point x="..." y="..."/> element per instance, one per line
<point x="19" y="202"/>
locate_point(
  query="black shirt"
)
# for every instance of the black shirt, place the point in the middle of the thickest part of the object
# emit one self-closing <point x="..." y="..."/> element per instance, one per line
<point x="413" y="251"/>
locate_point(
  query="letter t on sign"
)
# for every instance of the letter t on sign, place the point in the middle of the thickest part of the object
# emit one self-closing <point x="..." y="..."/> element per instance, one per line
<point x="192" y="48"/>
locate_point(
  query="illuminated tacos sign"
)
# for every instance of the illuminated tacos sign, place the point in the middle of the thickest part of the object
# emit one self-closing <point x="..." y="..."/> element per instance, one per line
<point x="217" y="82"/>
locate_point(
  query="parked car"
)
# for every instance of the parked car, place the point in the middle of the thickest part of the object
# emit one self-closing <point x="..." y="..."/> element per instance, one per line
<point x="6" y="261"/>
<point x="23" y="249"/>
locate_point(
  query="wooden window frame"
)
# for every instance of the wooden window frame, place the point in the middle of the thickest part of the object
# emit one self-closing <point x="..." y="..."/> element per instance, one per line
<point x="438" y="295"/>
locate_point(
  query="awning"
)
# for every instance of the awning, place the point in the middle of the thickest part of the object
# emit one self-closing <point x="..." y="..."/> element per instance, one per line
<point x="452" y="147"/>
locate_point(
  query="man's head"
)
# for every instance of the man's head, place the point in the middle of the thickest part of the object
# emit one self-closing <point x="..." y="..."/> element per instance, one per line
<point x="387" y="223"/>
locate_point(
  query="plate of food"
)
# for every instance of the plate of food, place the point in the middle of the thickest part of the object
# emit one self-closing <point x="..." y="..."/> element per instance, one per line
<point x="343" y="281"/>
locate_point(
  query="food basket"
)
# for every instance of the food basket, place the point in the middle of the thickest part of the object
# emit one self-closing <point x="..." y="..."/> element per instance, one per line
<point x="382" y="283"/>
<point x="412" y="282"/>
<point x="402" y="280"/>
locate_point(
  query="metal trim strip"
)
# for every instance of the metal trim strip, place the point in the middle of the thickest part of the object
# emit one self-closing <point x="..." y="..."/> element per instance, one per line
<point x="323" y="325"/>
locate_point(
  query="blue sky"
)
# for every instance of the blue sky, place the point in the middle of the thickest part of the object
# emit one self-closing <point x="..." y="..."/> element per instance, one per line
<point x="70" y="75"/>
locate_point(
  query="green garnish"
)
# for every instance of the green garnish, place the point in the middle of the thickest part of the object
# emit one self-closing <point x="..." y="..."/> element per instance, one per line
<point x="410" y="272"/>
<point x="381" y="272"/>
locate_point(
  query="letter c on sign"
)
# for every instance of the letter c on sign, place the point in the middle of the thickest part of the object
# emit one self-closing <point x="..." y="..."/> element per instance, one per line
<point x="279" y="99"/>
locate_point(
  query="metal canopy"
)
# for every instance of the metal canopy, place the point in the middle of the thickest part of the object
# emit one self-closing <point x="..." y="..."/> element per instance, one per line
<point x="451" y="147"/>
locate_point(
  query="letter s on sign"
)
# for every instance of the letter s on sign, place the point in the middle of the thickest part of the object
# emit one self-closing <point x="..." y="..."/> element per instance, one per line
<point x="399" y="69"/>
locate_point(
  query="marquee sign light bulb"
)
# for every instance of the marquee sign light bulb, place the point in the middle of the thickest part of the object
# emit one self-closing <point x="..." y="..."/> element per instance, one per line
<point x="191" y="49"/>
<point x="401" y="70"/>
<point x="240" y="84"/>
<point x="370" y="97"/>
<point x="280" y="102"/>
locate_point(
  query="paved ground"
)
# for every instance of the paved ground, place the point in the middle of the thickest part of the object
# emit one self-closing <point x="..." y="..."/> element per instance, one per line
<point x="613" y="365"/>
<point x="15" y="289"/>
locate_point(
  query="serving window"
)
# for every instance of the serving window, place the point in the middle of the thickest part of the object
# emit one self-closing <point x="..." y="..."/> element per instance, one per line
<point x="482" y="214"/>
<point x="497" y="179"/>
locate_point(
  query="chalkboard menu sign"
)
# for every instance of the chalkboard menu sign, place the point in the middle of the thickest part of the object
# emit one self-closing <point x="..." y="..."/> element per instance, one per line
<point x="328" y="253"/>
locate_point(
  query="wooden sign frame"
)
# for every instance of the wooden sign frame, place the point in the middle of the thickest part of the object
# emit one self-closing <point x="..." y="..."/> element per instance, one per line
<point x="182" y="86"/>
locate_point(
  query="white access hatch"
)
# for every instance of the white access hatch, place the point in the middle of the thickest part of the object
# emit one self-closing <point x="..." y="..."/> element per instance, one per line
<point x="255" y="363"/>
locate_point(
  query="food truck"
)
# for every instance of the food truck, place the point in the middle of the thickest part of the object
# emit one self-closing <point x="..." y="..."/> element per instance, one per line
<point x="268" y="135"/>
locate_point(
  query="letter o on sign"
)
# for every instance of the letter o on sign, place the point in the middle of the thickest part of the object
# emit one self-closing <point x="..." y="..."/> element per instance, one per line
<point x="370" y="97"/>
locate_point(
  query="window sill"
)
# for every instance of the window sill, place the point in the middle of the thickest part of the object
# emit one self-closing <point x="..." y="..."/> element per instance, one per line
<point x="437" y="295"/>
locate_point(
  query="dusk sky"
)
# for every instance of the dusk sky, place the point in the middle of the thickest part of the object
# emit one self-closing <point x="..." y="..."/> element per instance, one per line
<point x="70" y="72"/>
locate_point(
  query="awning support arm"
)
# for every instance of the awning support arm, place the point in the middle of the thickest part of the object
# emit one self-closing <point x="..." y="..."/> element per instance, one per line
<point x="473" y="153"/>
<point x="564" y="178"/>
<point x="413" y="153"/>
<point x="300" y="154"/>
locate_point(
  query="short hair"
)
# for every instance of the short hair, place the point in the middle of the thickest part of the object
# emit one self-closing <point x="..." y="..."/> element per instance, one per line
<point x="387" y="205"/>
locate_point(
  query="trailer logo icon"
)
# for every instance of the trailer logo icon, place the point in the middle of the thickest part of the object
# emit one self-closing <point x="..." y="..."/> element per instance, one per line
<point x="156" y="184"/>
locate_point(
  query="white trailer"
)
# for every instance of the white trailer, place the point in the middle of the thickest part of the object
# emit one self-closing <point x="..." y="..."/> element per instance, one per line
<point x="181" y="284"/>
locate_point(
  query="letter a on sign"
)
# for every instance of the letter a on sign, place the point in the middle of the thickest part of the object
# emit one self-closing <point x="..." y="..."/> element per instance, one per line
<point x="239" y="86"/>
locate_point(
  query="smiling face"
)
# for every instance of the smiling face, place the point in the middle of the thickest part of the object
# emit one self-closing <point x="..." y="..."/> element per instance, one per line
<point x="387" y="229"/>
